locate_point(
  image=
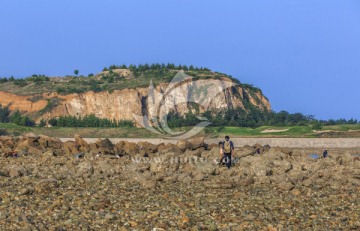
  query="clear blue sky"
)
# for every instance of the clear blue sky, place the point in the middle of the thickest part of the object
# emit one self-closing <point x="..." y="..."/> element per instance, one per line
<point x="303" y="54"/>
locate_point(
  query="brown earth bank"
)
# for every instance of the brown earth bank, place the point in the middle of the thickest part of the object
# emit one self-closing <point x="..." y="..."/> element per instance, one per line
<point x="55" y="185"/>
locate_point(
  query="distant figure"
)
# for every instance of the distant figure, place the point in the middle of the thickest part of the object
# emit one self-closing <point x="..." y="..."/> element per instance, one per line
<point x="228" y="148"/>
<point x="325" y="153"/>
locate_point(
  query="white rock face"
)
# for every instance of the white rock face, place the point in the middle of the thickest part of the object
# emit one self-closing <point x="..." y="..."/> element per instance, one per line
<point x="208" y="94"/>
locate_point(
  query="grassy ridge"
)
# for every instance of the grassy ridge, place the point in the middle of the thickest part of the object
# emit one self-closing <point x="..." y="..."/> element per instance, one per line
<point x="294" y="131"/>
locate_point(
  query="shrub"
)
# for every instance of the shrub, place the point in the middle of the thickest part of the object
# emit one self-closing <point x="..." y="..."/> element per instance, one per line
<point x="3" y="132"/>
<point x="53" y="122"/>
<point x="42" y="123"/>
<point x="3" y="80"/>
<point x="316" y="126"/>
<point x="20" y="82"/>
<point x="4" y="114"/>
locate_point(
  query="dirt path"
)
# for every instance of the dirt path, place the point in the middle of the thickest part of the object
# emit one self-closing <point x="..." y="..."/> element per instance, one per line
<point x="274" y="142"/>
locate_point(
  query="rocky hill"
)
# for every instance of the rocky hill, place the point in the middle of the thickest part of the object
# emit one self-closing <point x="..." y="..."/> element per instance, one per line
<point x="119" y="93"/>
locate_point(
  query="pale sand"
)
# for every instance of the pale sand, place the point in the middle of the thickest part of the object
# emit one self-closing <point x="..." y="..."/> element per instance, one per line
<point x="274" y="130"/>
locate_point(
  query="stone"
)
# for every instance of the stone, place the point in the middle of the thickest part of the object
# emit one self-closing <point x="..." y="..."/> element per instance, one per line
<point x="46" y="186"/>
<point x="106" y="144"/>
<point x="184" y="145"/>
<point x="197" y="142"/>
<point x="169" y="148"/>
<point x="130" y="148"/>
<point x="34" y="150"/>
<point x="71" y="147"/>
<point x="15" y="172"/>
<point x="286" y="186"/>
<point x="149" y="147"/>
<point x="81" y="142"/>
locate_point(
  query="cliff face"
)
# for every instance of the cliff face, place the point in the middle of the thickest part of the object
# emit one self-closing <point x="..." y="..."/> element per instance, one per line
<point x="122" y="104"/>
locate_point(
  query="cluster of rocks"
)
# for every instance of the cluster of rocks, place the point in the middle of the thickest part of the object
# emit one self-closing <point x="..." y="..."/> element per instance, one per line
<point x="188" y="160"/>
<point x="185" y="180"/>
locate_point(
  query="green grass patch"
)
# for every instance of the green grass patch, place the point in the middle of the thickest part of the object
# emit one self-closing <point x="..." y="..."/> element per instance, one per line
<point x="133" y="132"/>
<point x="342" y="127"/>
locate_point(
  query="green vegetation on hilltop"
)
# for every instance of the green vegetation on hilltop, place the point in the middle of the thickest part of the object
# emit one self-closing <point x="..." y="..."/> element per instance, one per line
<point x="110" y="79"/>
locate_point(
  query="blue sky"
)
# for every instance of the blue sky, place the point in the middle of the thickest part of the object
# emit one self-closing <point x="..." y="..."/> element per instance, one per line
<point x="303" y="54"/>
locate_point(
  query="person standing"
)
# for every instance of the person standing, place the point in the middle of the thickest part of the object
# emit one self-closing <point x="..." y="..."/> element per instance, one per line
<point x="325" y="153"/>
<point x="228" y="148"/>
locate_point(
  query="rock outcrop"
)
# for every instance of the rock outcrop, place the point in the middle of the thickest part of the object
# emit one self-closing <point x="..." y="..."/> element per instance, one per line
<point x="124" y="104"/>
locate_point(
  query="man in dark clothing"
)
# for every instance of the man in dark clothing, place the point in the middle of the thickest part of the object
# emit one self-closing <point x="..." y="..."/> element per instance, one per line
<point x="228" y="148"/>
<point x="325" y="153"/>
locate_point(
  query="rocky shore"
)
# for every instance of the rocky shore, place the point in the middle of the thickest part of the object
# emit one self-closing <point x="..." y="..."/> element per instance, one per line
<point x="74" y="185"/>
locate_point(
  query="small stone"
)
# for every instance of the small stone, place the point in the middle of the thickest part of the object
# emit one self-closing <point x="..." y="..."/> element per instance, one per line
<point x="110" y="216"/>
<point x="286" y="186"/>
<point x="133" y="223"/>
<point x="25" y="191"/>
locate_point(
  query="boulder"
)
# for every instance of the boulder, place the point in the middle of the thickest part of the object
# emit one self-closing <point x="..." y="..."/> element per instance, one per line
<point x="212" y="154"/>
<point x="29" y="146"/>
<point x="148" y="147"/>
<point x="31" y="137"/>
<point x="197" y="142"/>
<point x="245" y="151"/>
<point x="106" y="144"/>
<point x="193" y="153"/>
<point x="169" y="148"/>
<point x="71" y="147"/>
<point x="85" y="169"/>
<point x="344" y="159"/>
<point x="48" y="142"/>
<point x="160" y="147"/>
<point x="184" y="145"/>
<point x="130" y="148"/>
<point x="277" y="154"/>
<point x="211" y="146"/>
<point x="259" y="149"/>
<point x="81" y="142"/>
<point x="35" y="151"/>
<point x="24" y="145"/>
